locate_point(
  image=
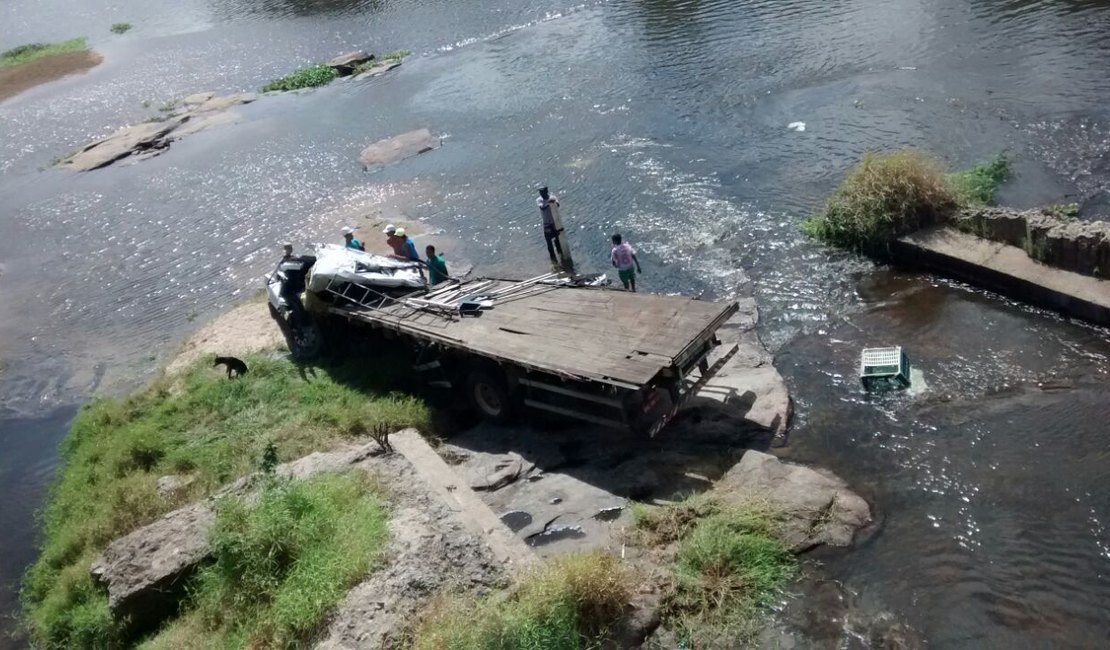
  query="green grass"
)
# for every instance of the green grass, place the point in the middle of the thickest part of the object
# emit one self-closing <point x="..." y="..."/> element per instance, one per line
<point x="120" y="28"/>
<point x="976" y="186"/>
<point x="317" y="75"/>
<point x="889" y="195"/>
<point x="396" y="55"/>
<point x="729" y="568"/>
<point x="30" y="52"/>
<point x="282" y="563"/>
<point x="570" y="604"/>
<point x="199" y="424"/>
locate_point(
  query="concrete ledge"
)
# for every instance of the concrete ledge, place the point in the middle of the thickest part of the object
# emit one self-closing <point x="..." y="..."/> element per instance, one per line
<point x="508" y="549"/>
<point x="1007" y="270"/>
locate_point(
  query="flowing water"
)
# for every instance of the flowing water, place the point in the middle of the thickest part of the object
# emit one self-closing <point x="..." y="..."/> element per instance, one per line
<point x="666" y="120"/>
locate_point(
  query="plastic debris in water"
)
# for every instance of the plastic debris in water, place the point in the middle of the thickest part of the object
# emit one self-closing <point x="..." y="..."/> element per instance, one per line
<point x="797" y="126"/>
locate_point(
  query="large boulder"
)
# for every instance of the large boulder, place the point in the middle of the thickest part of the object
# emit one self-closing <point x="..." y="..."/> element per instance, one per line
<point x="146" y="571"/>
<point x="818" y="506"/>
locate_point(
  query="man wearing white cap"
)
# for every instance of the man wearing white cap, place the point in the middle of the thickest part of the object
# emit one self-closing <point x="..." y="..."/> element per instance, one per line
<point x="349" y="238"/>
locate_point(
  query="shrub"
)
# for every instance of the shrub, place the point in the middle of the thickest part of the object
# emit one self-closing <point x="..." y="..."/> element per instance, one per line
<point x="282" y="562"/>
<point x="976" y="186"/>
<point x="32" y="51"/>
<point x="120" y="28"/>
<point x="884" y="197"/>
<point x="317" y="75"/>
<point x="730" y="566"/>
<point x="570" y="604"/>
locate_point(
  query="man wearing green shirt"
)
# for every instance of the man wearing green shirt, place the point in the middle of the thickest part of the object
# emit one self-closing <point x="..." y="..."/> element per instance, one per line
<point x="437" y="268"/>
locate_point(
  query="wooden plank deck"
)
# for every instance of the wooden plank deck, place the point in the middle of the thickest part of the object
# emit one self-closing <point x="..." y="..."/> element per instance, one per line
<point x="597" y="334"/>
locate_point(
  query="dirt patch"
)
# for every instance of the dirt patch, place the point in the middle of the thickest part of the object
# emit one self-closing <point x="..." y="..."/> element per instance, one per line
<point x="18" y="78"/>
<point x="245" y="329"/>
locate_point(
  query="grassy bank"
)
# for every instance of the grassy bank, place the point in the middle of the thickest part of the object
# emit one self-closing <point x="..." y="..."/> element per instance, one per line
<point x="571" y="603"/>
<point x="201" y="425"/>
<point x="889" y="195"/>
<point x="729" y="568"/>
<point x="281" y="564"/>
<point x="30" y="52"/>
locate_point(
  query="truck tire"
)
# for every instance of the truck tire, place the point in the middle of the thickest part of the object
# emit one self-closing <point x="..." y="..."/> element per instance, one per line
<point x="488" y="395"/>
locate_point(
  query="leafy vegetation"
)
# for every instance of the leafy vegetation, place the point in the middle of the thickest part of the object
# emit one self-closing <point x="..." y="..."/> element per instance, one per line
<point x="311" y="77"/>
<point x="198" y="424"/>
<point x="729" y="568"/>
<point x="120" y="28"/>
<point x="570" y="604"/>
<point x="281" y="563"/>
<point x="32" y="51"/>
<point x="889" y="195"/>
<point x="367" y="66"/>
<point x="976" y="186"/>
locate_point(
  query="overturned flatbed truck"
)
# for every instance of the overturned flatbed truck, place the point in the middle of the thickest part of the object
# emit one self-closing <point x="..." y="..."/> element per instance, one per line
<point x="609" y="357"/>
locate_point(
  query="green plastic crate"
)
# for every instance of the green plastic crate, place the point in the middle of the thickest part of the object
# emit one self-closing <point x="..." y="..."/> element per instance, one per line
<point x="884" y="369"/>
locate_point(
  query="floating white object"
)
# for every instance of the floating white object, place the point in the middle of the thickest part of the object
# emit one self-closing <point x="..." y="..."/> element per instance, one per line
<point x="797" y="126"/>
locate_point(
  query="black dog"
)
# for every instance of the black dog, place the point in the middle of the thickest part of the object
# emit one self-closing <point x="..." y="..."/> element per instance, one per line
<point x="238" y="366"/>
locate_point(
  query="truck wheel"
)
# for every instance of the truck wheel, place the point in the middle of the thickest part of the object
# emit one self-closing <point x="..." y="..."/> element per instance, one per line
<point x="488" y="395"/>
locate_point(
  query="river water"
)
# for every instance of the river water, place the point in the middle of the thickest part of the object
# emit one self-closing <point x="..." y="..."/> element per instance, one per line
<point x="666" y="120"/>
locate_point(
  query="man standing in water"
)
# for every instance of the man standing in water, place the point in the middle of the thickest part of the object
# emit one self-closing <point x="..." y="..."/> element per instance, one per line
<point x="624" y="259"/>
<point x="551" y="230"/>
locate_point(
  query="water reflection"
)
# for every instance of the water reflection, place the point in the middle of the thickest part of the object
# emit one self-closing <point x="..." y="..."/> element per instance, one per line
<point x="230" y="9"/>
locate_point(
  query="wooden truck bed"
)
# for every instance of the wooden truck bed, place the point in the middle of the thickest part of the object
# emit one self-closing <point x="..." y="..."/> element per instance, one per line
<point x="595" y="334"/>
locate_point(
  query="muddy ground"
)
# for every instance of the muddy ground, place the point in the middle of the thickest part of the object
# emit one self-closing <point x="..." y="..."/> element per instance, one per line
<point x="19" y="78"/>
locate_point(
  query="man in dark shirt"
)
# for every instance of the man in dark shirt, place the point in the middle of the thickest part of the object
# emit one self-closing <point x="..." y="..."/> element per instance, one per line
<point x="550" y="232"/>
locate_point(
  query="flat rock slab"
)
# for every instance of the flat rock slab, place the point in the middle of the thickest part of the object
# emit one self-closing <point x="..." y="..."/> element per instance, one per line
<point x="344" y="64"/>
<point x="205" y="111"/>
<point x="820" y="508"/>
<point x="145" y="571"/>
<point x="379" y="68"/>
<point x="196" y="99"/>
<point x="747" y="386"/>
<point x="224" y="103"/>
<point x="390" y="150"/>
<point x="123" y="143"/>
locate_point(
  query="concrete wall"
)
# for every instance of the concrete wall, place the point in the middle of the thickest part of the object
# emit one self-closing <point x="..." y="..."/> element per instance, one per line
<point x="1061" y="242"/>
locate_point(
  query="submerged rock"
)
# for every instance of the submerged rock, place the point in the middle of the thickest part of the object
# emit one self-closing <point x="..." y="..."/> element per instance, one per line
<point x="819" y="507"/>
<point x="399" y="147"/>
<point x="152" y="137"/>
<point x="128" y="140"/>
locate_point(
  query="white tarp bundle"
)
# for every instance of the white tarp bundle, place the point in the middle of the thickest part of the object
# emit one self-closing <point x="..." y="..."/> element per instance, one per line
<point x="334" y="262"/>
